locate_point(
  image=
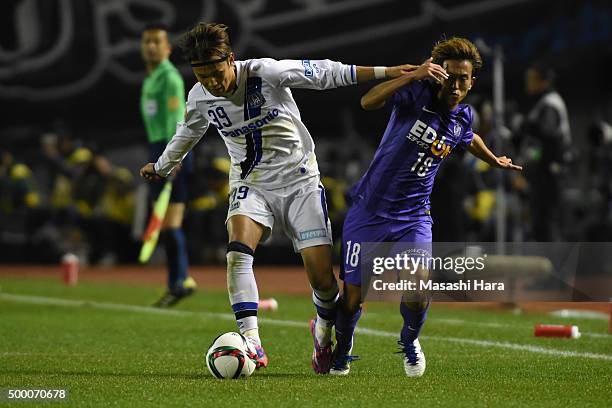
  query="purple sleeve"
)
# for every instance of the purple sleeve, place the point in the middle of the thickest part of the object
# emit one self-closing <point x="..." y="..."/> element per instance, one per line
<point x="468" y="135"/>
<point x="407" y="94"/>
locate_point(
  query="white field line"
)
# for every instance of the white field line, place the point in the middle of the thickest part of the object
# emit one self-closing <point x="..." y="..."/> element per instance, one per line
<point x="461" y="322"/>
<point x="508" y="326"/>
<point x="47" y="301"/>
<point x="498" y="344"/>
<point x="480" y="324"/>
<point x="580" y="314"/>
<point x="597" y="335"/>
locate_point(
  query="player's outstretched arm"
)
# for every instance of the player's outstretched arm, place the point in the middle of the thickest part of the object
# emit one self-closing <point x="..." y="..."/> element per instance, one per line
<point x="365" y="74"/>
<point x="322" y="74"/>
<point x="479" y="149"/>
<point x="148" y="172"/>
<point x="376" y="97"/>
<point x="188" y="133"/>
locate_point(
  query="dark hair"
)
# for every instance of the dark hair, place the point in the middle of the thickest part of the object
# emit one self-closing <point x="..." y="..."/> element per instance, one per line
<point x="544" y="69"/>
<point x="205" y="42"/>
<point x="457" y="48"/>
<point x="156" y="26"/>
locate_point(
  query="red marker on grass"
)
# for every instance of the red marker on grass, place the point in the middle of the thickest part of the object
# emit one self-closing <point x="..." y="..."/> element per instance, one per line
<point x="556" y="330"/>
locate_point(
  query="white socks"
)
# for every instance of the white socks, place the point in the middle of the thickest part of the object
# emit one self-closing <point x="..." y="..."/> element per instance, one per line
<point x="242" y="289"/>
<point x="326" y="304"/>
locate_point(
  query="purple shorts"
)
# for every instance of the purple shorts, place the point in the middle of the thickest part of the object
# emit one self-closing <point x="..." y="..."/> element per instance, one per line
<point x="363" y="226"/>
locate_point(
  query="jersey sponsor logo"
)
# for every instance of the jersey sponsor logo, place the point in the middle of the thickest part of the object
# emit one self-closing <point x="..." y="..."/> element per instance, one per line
<point x="308" y="71"/>
<point x="253" y="126"/>
<point x="427" y="138"/>
<point x="312" y="234"/>
<point x="235" y="205"/>
<point x="255" y="100"/>
<point x="440" y="148"/>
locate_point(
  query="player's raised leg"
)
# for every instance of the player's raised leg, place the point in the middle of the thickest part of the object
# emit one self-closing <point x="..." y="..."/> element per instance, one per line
<point x="244" y="236"/>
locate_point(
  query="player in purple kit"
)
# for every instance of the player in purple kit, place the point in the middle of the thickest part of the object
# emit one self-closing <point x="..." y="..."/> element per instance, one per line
<point x="391" y="201"/>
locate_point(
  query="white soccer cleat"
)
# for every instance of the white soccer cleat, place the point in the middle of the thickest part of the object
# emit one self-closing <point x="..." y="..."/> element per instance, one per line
<point x="341" y="371"/>
<point x="341" y="364"/>
<point x="414" y="359"/>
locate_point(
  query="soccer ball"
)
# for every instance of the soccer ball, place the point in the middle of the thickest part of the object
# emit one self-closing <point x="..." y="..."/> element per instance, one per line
<point x="230" y="356"/>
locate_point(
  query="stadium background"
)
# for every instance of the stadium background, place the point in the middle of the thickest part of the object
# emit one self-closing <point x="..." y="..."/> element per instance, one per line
<point x="71" y="73"/>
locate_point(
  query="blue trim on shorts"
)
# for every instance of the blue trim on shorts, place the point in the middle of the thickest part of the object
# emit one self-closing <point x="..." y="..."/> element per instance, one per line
<point x="324" y="203"/>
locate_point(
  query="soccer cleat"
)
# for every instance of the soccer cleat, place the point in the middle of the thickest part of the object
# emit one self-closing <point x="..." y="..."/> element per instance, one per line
<point x="341" y="363"/>
<point x="414" y="359"/>
<point x="172" y="297"/>
<point x="321" y="355"/>
<point x="257" y="353"/>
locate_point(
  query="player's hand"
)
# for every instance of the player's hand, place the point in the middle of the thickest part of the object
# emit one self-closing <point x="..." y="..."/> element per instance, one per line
<point x="148" y="172"/>
<point x="399" y="70"/>
<point x="430" y="70"/>
<point x="506" y="163"/>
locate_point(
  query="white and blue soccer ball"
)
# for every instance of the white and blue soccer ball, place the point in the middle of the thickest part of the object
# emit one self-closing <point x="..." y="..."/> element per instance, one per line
<point x="229" y="356"/>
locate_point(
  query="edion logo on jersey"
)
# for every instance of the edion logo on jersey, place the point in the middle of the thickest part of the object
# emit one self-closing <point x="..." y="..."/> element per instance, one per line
<point x="253" y="126"/>
<point x="426" y="137"/>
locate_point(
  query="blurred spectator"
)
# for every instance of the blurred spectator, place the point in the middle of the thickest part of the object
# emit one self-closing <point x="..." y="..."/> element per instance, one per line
<point x="18" y="199"/>
<point x="598" y="211"/>
<point x="90" y="205"/>
<point x="470" y="184"/>
<point x="17" y="186"/>
<point x="110" y="237"/>
<point x="448" y="196"/>
<point x="546" y="138"/>
<point x="207" y="210"/>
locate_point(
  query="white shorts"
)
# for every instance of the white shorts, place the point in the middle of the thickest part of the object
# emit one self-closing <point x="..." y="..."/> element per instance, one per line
<point x="299" y="210"/>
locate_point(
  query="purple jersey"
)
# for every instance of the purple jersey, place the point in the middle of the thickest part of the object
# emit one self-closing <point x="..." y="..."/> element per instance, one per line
<point x="419" y="135"/>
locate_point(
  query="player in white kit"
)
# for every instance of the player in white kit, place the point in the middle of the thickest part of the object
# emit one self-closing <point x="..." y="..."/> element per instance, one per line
<point x="274" y="177"/>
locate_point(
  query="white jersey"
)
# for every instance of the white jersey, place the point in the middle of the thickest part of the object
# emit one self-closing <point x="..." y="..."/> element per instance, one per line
<point x="260" y="123"/>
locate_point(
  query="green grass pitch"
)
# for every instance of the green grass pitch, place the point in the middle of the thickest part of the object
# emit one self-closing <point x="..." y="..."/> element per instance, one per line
<point x="87" y="340"/>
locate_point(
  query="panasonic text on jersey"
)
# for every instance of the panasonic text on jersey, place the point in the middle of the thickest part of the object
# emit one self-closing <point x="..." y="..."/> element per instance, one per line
<point x="253" y="125"/>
